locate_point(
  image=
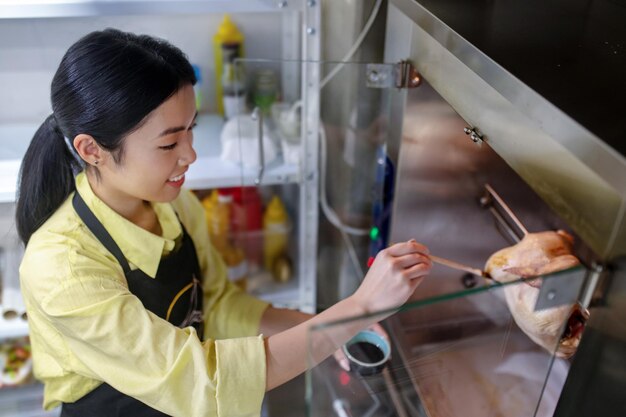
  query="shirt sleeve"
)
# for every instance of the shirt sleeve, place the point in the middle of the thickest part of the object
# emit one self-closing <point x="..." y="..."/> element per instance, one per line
<point x="111" y="337"/>
<point x="229" y="311"/>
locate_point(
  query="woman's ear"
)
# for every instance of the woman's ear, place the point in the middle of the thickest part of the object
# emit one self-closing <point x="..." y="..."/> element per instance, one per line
<point x="88" y="149"/>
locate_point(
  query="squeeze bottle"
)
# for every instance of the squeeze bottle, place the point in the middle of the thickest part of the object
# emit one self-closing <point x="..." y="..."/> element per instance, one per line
<point x="218" y="213"/>
<point x="247" y="224"/>
<point x="275" y="232"/>
<point x="227" y="39"/>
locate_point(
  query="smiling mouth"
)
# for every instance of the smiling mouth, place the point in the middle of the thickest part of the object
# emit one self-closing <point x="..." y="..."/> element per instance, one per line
<point x="177" y="178"/>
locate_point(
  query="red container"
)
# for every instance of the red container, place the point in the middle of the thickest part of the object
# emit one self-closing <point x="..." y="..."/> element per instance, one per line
<point x="247" y="222"/>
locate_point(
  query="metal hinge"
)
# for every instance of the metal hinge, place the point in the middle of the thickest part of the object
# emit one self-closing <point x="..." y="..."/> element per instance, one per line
<point x="474" y="134"/>
<point x="400" y="75"/>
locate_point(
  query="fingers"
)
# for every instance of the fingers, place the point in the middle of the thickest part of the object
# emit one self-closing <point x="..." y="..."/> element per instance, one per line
<point x="341" y="359"/>
<point x="411" y="259"/>
<point x="417" y="271"/>
<point x="404" y="248"/>
<point x="407" y="255"/>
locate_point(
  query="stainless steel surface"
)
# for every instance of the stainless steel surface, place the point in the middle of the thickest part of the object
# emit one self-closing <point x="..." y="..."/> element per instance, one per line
<point x="584" y="145"/>
<point x="349" y="112"/>
<point x="309" y="196"/>
<point x="571" y="53"/>
<point x="440" y="184"/>
<point x="551" y="171"/>
<point x="574" y="171"/>
<point x="441" y="180"/>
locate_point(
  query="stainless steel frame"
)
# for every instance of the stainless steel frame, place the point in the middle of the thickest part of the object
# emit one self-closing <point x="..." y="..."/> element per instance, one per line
<point x="548" y="167"/>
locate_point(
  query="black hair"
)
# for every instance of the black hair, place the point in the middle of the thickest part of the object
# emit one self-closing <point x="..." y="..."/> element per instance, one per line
<point x="105" y="86"/>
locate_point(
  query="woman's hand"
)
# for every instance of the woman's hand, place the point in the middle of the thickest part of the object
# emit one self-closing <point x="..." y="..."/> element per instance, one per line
<point x="393" y="277"/>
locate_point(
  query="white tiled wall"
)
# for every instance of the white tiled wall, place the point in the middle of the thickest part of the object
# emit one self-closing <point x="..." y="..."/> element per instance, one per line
<point x="31" y="49"/>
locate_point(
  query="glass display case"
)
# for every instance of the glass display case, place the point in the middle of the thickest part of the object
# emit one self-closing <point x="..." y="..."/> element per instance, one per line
<point x="457" y="354"/>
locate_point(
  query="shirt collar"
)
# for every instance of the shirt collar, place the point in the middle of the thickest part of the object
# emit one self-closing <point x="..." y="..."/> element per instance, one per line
<point x="141" y="248"/>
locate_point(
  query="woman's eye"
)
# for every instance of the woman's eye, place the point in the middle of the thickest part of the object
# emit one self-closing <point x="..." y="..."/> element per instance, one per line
<point x="168" y="147"/>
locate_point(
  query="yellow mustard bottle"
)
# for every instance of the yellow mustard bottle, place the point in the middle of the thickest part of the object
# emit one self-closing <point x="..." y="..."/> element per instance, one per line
<point x="218" y="212"/>
<point x="275" y="222"/>
<point x="217" y="220"/>
<point x="228" y="39"/>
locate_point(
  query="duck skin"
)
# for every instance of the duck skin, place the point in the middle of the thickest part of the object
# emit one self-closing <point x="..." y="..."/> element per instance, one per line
<point x="535" y="255"/>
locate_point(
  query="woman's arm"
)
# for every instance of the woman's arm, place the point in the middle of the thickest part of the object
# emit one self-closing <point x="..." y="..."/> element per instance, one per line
<point x="276" y="320"/>
<point x="392" y="279"/>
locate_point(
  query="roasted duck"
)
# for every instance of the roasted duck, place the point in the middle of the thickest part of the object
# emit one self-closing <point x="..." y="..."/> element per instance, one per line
<point x="535" y="255"/>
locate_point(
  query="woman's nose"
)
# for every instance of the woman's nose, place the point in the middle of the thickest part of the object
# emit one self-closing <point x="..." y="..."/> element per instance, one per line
<point x="188" y="154"/>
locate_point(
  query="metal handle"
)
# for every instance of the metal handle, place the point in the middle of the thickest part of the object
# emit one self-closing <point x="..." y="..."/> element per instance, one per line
<point x="258" y="115"/>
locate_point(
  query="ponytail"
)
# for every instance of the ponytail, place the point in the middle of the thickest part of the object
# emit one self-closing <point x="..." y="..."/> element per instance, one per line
<point x="46" y="178"/>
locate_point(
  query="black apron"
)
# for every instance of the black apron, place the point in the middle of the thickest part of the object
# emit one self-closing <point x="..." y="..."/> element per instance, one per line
<point x="174" y="294"/>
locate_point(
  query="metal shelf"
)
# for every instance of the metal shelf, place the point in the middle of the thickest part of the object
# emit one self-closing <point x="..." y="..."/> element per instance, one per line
<point x="27" y="9"/>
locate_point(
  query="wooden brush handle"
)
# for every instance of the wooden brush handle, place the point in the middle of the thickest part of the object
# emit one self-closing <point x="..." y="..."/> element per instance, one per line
<point x="458" y="266"/>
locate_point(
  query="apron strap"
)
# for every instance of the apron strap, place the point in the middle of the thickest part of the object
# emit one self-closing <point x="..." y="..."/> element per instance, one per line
<point x="92" y="222"/>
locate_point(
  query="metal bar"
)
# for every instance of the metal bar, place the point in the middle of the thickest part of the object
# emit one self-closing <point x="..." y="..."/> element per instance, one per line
<point x="503" y="223"/>
<point x="506" y="209"/>
<point x="257" y="114"/>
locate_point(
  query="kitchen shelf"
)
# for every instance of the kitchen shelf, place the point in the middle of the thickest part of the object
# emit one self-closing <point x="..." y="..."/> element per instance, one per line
<point x="25" y="9"/>
<point x="209" y="170"/>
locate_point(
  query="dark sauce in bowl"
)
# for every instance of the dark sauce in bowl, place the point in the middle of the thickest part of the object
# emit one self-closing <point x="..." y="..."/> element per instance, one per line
<point x="366" y="352"/>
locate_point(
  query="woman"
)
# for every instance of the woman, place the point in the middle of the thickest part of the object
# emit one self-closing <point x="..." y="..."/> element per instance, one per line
<point x="130" y="312"/>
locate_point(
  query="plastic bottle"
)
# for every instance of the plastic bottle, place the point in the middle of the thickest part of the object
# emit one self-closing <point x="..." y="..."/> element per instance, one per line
<point x="209" y="202"/>
<point x="265" y="90"/>
<point x="275" y="227"/>
<point x="197" y="88"/>
<point x="218" y="208"/>
<point x="227" y="35"/>
<point x="233" y="83"/>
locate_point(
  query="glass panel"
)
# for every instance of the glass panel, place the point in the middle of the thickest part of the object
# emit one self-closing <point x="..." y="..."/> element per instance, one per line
<point x="460" y="354"/>
<point x="274" y="135"/>
<point x="263" y="112"/>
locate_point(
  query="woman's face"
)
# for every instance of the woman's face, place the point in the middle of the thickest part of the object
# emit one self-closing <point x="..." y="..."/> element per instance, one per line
<point x="156" y="156"/>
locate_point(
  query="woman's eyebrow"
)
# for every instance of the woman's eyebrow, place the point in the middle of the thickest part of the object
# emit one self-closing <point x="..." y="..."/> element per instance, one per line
<point x="175" y="129"/>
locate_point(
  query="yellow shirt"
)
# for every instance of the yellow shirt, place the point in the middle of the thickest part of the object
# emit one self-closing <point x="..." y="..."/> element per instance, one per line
<point x="86" y="327"/>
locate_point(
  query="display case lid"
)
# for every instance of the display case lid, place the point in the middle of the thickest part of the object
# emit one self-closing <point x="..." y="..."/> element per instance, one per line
<point x="571" y="53"/>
